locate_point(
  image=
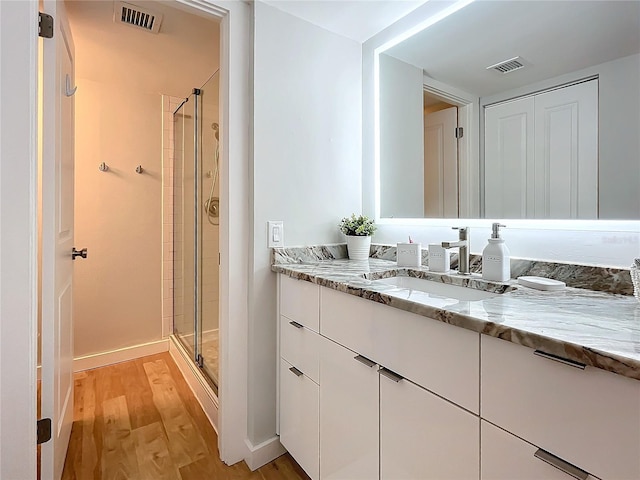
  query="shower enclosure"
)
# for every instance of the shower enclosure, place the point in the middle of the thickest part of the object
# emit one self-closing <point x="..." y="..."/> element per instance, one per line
<point x="196" y="180"/>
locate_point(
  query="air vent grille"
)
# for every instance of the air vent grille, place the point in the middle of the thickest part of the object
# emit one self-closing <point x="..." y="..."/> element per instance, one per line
<point x="137" y="17"/>
<point x="508" y="66"/>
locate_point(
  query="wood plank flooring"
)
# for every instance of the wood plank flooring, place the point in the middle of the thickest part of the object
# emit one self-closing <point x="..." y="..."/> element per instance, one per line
<point x="139" y="420"/>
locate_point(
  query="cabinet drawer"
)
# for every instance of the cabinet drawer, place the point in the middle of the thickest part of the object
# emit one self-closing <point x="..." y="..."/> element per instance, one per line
<point x="347" y="320"/>
<point x="299" y="418"/>
<point x="505" y="457"/>
<point x="299" y="301"/>
<point x="300" y="347"/>
<point x="590" y="418"/>
<point x="439" y="357"/>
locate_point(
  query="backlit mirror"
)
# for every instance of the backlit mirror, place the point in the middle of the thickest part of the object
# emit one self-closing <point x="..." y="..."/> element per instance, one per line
<point x="514" y="109"/>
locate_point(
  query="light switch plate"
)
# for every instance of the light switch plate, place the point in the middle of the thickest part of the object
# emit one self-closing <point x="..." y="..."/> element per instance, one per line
<point x="275" y="234"/>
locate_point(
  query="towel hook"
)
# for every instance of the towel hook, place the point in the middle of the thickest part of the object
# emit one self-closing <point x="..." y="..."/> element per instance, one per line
<point x="139" y="169"/>
<point x="103" y="167"/>
<point x="69" y="91"/>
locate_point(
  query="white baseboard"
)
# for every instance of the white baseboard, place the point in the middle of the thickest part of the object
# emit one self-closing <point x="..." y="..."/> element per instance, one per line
<point x="196" y="381"/>
<point x="103" y="359"/>
<point x="264" y="452"/>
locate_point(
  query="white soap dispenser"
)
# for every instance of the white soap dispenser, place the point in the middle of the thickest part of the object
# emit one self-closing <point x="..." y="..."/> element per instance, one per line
<point x="496" y="263"/>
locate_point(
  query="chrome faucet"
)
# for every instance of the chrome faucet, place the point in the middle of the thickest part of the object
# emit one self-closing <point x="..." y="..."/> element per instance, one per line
<point x="463" y="253"/>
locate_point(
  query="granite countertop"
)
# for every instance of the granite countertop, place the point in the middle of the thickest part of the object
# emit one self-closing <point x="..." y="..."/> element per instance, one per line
<point x="591" y="327"/>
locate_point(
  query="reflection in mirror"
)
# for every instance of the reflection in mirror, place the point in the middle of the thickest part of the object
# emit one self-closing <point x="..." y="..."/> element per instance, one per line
<point x="514" y="109"/>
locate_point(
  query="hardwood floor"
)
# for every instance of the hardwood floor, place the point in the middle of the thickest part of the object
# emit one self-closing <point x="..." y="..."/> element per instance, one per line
<point x="139" y="420"/>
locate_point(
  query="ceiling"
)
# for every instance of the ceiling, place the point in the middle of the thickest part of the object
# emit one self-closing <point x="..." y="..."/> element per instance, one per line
<point x="553" y="38"/>
<point x="355" y="19"/>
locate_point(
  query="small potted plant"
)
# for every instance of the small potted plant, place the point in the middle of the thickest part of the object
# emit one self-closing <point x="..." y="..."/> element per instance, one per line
<point x="358" y="230"/>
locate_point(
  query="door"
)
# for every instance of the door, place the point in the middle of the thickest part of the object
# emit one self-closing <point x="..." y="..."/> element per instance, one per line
<point x="566" y="152"/>
<point x="508" y="159"/>
<point x="541" y="155"/>
<point x="299" y="417"/>
<point x="441" y="164"/>
<point x="424" y="436"/>
<point x="57" y="240"/>
<point x="348" y="414"/>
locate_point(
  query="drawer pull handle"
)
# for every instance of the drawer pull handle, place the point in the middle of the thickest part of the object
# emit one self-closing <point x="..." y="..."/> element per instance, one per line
<point x="296" y="324"/>
<point x="391" y="375"/>
<point x="561" y="465"/>
<point x="364" y="361"/>
<point x="556" y="358"/>
<point x="295" y="371"/>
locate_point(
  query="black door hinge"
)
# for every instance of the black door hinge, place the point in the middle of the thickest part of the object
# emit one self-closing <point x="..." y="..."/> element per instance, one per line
<point x="44" y="430"/>
<point x="459" y="132"/>
<point x="45" y="25"/>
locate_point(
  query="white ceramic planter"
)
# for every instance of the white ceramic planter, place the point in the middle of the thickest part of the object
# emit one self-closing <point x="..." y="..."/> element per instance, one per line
<point x="358" y="247"/>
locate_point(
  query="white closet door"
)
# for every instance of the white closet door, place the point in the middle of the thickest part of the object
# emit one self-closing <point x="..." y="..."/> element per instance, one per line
<point x="441" y="164"/>
<point x="566" y="152"/>
<point x="509" y="153"/>
<point x="541" y="155"/>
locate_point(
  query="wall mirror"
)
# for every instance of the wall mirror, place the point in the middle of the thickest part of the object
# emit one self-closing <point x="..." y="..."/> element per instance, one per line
<point x="514" y="109"/>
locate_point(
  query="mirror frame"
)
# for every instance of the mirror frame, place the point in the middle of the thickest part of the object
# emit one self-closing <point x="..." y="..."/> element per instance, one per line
<point x="421" y="18"/>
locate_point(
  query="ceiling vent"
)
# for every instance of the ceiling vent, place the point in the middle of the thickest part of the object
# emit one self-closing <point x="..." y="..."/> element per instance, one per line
<point x="508" y="66"/>
<point x="137" y="17"/>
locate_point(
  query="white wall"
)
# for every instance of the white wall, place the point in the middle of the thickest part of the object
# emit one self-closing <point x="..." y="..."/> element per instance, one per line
<point x="306" y="168"/>
<point x="117" y="297"/>
<point x="619" y="124"/>
<point x="595" y="243"/>
<point x="402" y="145"/>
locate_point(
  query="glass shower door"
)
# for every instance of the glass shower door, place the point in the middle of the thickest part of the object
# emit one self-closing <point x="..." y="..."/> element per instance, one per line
<point x="209" y="153"/>
<point x="184" y="233"/>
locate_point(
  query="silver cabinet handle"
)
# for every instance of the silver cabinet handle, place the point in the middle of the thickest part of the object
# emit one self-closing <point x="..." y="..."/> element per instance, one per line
<point x="295" y="371"/>
<point x="566" y="361"/>
<point x="391" y="375"/>
<point x="364" y="361"/>
<point x="561" y="465"/>
<point x="296" y="324"/>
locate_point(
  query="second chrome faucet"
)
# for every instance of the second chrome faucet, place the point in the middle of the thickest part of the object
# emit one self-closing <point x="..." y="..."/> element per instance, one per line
<point x="463" y="245"/>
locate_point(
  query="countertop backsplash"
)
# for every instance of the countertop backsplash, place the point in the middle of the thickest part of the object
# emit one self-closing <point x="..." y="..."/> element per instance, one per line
<point x="602" y="279"/>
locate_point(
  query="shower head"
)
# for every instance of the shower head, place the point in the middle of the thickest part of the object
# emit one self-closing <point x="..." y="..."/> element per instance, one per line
<point x="215" y="128"/>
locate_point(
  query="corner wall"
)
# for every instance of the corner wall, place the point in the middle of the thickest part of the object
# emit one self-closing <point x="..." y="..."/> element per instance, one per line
<point x="306" y="169"/>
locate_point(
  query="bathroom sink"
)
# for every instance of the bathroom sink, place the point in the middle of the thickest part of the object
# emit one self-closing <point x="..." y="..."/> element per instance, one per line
<point x="437" y="289"/>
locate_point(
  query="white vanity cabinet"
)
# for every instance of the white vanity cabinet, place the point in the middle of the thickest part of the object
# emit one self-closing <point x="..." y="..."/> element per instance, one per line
<point x="349" y="409"/>
<point x="585" y="416"/>
<point x="299" y="395"/>
<point x="370" y="392"/>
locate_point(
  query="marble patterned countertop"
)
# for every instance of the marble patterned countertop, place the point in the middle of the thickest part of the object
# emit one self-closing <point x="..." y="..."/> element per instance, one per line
<point x="591" y="327"/>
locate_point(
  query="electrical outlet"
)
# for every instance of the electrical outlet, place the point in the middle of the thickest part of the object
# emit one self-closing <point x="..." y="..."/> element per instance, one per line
<point x="275" y="234"/>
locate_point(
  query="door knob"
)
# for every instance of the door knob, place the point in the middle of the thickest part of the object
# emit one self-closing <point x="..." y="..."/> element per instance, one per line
<point x="78" y="253"/>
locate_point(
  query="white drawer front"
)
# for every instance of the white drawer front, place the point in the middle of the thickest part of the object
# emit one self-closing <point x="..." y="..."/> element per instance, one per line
<point x="590" y="418"/>
<point x="439" y="357"/>
<point x="300" y="347"/>
<point x="299" y="301"/>
<point x="505" y="457"/>
<point x="299" y="419"/>
<point x="347" y="320"/>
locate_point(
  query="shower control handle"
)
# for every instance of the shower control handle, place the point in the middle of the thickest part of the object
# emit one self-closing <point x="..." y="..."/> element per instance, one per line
<point x="78" y="253"/>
